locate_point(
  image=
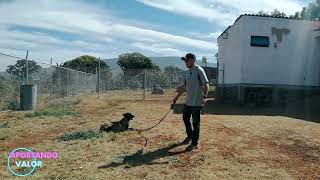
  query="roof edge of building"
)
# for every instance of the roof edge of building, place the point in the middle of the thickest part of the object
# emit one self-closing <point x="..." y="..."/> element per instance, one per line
<point x="268" y="16"/>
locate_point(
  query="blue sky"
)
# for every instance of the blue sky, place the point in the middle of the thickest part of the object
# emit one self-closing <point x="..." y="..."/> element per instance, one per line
<point x="106" y="28"/>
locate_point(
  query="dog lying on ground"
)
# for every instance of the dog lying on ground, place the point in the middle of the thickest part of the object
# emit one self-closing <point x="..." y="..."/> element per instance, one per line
<point x="122" y="125"/>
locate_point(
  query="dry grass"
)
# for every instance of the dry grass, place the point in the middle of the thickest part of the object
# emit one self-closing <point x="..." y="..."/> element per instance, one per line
<point x="232" y="147"/>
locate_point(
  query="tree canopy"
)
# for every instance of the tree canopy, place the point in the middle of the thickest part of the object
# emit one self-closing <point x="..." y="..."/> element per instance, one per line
<point x="85" y="63"/>
<point x="20" y="68"/>
<point x="311" y="12"/>
<point x="275" y="13"/>
<point x="135" y="61"/>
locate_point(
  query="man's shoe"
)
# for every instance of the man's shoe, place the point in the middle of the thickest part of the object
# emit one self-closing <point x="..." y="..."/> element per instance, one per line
<point x="192" y="147"/>
<point x="187" y="140"/>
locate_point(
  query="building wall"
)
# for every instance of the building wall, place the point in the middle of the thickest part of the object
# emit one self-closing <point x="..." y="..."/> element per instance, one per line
<point x="290" y="61"/>
<point x="287" y="71"/>
<point x="229" y="54"/>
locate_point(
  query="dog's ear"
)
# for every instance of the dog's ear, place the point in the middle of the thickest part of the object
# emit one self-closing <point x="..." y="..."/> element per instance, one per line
<point x="127" y="115"/>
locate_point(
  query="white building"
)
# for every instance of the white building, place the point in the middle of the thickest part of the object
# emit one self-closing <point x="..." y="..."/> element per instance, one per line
<point x="263" y="58"/>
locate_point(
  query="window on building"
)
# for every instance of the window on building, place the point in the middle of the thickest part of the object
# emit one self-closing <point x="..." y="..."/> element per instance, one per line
<point x="260" y="41"/>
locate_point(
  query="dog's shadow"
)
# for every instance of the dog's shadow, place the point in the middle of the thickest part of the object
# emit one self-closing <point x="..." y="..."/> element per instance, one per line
<point x="139" y="158"/>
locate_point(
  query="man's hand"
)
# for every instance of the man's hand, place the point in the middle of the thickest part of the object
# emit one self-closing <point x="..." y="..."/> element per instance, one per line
<point x="204" y="102"/>
<point x="174" y="101"/>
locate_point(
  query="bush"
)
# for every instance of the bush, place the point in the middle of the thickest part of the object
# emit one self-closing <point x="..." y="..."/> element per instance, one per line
<point x="12" y="104"/>
<point x="80" y="135"/>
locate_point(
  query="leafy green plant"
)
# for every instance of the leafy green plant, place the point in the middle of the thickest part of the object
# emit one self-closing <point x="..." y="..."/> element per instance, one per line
<point x="80" y="135"/>
<point x="12" y="104"/>
<point x="56" y="112"/>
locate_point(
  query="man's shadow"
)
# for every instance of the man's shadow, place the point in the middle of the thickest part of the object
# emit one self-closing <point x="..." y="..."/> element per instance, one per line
<point x="139" y="158"/>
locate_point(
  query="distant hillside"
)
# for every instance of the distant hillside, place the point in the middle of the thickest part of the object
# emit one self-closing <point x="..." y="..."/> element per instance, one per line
<point x="162" y="62"/>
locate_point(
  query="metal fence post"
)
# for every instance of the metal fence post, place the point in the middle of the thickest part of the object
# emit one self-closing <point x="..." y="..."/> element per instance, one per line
<point x="51" y="80"/>
<point x="99" y="78"/>
<point x="27" y="68"/>
<point x="85" y="79"/>
<point x="144" y="84"/>
<point x="67" y="82"/>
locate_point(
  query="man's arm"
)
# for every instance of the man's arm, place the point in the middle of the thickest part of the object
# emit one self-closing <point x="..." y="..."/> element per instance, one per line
<point x="206" y="90"/>
<point x="181" y="90"/>
<point x="205" y="84"/>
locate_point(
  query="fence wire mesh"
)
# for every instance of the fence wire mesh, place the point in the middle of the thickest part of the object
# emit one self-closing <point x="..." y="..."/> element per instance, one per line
<point x="55" y="83"/>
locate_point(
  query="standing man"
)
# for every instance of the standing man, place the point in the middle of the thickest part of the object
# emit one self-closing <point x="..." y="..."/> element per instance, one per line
<point x="196" y="85"/>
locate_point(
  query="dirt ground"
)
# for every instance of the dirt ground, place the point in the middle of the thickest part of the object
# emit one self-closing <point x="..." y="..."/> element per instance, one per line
<point x="232" y="146"/>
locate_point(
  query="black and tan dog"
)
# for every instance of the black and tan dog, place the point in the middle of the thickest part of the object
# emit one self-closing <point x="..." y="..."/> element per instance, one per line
<point x="122" y="125"/>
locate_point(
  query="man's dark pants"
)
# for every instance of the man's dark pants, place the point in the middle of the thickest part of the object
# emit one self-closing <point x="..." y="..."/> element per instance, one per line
<point x="195" y="112"/>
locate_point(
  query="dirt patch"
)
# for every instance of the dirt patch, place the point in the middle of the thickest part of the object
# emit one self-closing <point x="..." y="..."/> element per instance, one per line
<point x="190" y="160"/>
<point x="100" y="108"/>
<point x="152" y="141"/>
<point x="299" y="157"/>
<point x="30" y="140"/>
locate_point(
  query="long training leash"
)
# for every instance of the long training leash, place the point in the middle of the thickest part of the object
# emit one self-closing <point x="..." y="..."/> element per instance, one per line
<point x="162" y="119"/>
<point x="147" y="129"/>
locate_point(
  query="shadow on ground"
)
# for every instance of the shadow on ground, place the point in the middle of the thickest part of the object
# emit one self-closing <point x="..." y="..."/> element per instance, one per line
<point x="308" y="112"/>
<point x="139" y="158"/>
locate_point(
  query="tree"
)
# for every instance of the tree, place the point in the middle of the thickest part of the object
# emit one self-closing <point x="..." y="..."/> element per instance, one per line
<point x="263" y="13"/>
<point x="20" y="68"/>
<point x="275" y="13"/>
<point x="85" y="63"/>
<point x="89" y="64"/>
<point x="135" y="61"/>
<point x="309" y="13"/>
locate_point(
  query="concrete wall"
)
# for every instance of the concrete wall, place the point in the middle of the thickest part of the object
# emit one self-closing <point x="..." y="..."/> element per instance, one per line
<point x="288" y="61"/>
<point x="292" y="58"/>
<point x="230" y="55"/>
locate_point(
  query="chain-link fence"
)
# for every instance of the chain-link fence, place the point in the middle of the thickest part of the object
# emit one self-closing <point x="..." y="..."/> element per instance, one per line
<point x="59" y="84"/>
<point x="142" y="84"/>
<point x="54" y="83"/>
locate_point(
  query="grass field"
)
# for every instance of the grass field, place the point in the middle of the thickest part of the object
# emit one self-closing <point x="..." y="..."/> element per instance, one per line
<point x="232" y="146"/>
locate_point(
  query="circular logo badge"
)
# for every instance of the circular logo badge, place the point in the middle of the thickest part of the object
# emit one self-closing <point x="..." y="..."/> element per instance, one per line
<point x="27" y="173"/>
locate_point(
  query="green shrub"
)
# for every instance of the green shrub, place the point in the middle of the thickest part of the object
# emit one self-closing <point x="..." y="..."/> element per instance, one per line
<point x="80" y="135"/>
<point x="12" y="104"/>
<point x="56" y="112"/>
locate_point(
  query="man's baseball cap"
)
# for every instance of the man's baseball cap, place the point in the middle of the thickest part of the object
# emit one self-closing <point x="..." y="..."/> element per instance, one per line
<point x="189" y="56"/>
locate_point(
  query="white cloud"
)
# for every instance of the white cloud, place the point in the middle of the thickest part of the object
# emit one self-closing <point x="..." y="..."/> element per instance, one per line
<point x="223" y="12"/>
<point x="158" y="49"/>
<point x="98" y="31"/>
<point x="249" y="6"/>
<point x="199" y="9"/>
<point x="206" y="36"/>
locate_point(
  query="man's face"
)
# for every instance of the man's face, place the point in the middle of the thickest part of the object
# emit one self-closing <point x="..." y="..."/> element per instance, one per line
<point x="189" y="62"/>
